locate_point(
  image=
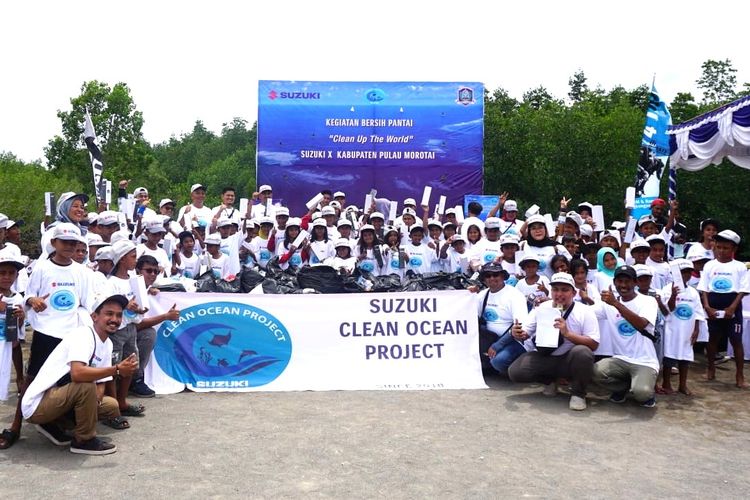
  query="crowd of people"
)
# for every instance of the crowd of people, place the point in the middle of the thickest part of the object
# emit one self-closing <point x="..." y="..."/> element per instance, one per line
<point x="562" y="301"/>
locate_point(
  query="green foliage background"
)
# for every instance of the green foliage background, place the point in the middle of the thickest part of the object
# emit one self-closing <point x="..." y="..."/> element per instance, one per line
<point x="539" y="149"/>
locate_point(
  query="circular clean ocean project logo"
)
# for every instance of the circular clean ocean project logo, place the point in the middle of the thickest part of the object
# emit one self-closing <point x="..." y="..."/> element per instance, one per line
<point x="721" y="285"/>
<point x="625" y="329"/>
<point x="683" y="312"/>
<point x="223" y="345"/>
<point x="490" y="315"/>
<point x="63" y="300"/>
<point x="415" y="261"/>
<point x="367" y="265"/>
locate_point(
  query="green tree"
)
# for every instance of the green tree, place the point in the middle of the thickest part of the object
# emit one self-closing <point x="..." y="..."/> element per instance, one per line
<point x="578" y="86"/>
<point x="718" y="82"/>
<point x="118" y="127"/>
<point x="683" y="107"/>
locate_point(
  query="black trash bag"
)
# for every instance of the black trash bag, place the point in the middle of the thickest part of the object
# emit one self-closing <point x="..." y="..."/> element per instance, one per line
<point x="413" y="282"/>
<point x="249" y="279"/>
<point x="387" y="283"/>
<point x="206" y="282"/>
<point x="224" y="286"/>
<point x="323" y="279"/>
<point x="352" y="284"/>
<point x="273" y="269"/>
<point x="439" y="281"/>
<point x="270" y="286"/>
<point x="171" y="287"/>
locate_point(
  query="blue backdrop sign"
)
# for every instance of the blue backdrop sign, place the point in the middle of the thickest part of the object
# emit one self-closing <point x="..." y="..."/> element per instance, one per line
<point x="396" y="137"/>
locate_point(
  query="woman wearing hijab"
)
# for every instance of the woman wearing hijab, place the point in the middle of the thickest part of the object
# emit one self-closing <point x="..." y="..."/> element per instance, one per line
<point x="606" y="263"/>
<point x="539" y="243"/>
<point x="71" y="208"/>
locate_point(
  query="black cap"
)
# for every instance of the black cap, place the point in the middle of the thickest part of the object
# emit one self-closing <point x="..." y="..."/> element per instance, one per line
<point x="626" y="271"/>
<point x="493" y="267"/>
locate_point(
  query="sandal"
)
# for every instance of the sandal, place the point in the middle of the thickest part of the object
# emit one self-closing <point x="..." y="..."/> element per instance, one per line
<point x="8" y="438"/>
<point x="119" y="423"/>
<point x="133" y="411"/>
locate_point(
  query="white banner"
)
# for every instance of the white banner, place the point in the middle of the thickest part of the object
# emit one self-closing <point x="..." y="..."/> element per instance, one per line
<point x="367" y="341"/>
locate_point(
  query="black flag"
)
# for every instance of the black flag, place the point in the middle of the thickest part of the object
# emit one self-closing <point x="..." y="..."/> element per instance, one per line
<point x="97" y="163"/>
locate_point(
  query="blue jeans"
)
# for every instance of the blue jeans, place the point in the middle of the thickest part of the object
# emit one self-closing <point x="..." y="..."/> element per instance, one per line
<point x="507" y="349"/>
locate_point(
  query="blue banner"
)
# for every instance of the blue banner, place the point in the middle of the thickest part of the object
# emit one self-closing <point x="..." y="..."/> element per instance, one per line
<point x="488" y="202"/>
<point x="654" y="153"/>
<point x="396" y="137"/>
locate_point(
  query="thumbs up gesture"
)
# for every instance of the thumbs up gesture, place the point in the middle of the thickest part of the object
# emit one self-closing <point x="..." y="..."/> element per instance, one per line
<point x="173" y="314"/>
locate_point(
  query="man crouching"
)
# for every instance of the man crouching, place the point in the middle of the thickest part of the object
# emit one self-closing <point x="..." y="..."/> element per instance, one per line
<point x="572" y="356"/>
<point x="65" y="386"/>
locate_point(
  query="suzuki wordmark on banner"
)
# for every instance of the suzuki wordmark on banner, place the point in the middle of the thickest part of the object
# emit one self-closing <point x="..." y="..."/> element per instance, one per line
<point x="389" y="341"/>
<point x="395" y="137"/>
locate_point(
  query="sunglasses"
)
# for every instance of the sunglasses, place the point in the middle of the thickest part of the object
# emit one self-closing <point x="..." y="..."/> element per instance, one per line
<point x="492" y="275"/>
<point x="149" y="270"/>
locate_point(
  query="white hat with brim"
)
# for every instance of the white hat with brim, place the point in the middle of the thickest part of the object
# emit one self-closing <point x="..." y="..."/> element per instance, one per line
<point x="728" y="235"/>
<point x="101" y="299"/>
<point x="643" y="270"/>
<point x="264" y="188"/>
<point x="195" y="187"/>
<point x="9" y="259"/>
<point x="120" y="249"/>
<point x="342" y="242"/>
<point x="212" y="239"/>
<point x="67" y="232"/>
<point x="104" y="253"/>
<point x="562" y="279"/>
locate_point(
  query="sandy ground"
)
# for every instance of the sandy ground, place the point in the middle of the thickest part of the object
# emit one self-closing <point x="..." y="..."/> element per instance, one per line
<point x="508" y="441"/>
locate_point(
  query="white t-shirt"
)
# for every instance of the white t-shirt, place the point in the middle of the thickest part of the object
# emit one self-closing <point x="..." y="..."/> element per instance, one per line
<point x="662" y="273"/>
<point x="503" y="308"/>
<point x="80" y="344"/>
<point x="591" y="291"/>
<point x="532" y="290"/>
<point x="420" y="257"/>
<point x="724" y="277"/>
<point x="201" y="215"/>
<point x="627" y="343"/>
<point x="391" y="261"/>
<point x="545" y="255"/>
<point x="456" y="262"/>
<point x="338" y="263"/>
<point x="369" y="263"/>
<point x="259" y="247"/>
<point x="122" y="287"/>
<point x="259" y="210"/>
<point x="581" y="321"/>
<point x="679" y="324"/>
<point x="295" y="260"/>
<point x="230" y="213"/>
<point x="189" y="267"/>
<point x="484" y="251"/>
<point x="513" y="227"/>
<point x="159" y="254"/>
<point x="68" y="288"/>
<point x="219" y="266"/>
<point x="320" y="251"/>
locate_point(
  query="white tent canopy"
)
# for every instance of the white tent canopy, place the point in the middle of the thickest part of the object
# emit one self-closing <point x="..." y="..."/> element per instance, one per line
<point x="711" y="137"/>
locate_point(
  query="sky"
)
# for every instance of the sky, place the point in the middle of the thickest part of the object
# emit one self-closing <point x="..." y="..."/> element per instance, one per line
<point x="188" y="60"/>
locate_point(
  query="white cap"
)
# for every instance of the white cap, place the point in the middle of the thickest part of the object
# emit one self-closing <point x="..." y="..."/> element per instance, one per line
<point x="639" y="243"/>
<point x="562" y="279"/>
<point x="335" y="204"/>
<point x="586" y="230"/>
<point x="327" y="210"/>
<point x="528" y="257"/>
<point x="94" y="240"/>
<point x="119" y="236"/>
<point x="696" y="252"/>
<point x="655" y="238"/>
<point x="212" y="239"/>
<point x="107" y="218"/>
<point x="319" y="222"/>
<point x="643" y="270"/>
<point x="120" y="249"/>
<point x="265" y="220"/>
<point x="683" y="264"/>
<point x="339" y="194"/>
<point x="154" y="226"/>
<point x="451" y="210"/>
<point x="536" y="218"/>
<point x="224" y="221"/>
<point x="72" y="194"/>
<point x="67" y="232"/>
<point x="509" y="239"/>
<point x="91" y="217"/>
<point x="416" y="225"/>
<point x="410" y="201"/>
<point x="587" y="205"/>
<point x="104" y="253"/>
<point x="3" y="221"/>
<point x="294" y="221"/>
<point x="409" y="211"/>
<point x="101" y="298"/>
<point x="165" y="201"/>
<point x="342" y="242"/>
<point x="646" y="218"/>
<point x="140" y="190"/>
<point x="573" y="216"/>
<point x="510" y="206"/>
<point x="197" y="186"/>
<point x="457" y="237"/>
<point x="449" y="224"/>
<point x="434" y="222"/>
<point x="281" y="211"/>
<point x="344" y="222"/>
<point x="264" y="188"/>
<point x="10" y="259"/>
<point x="610" y="234"/>
<point x="728" y="235"/>
<point x="618" y="225"/>
<point x="367" y="227"/>
<point x="491" y="223"/>
<point x="377" y="215"/>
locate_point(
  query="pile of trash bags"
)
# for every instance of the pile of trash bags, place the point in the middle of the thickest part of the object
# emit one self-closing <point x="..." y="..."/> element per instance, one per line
<point x="325" y="279"/>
